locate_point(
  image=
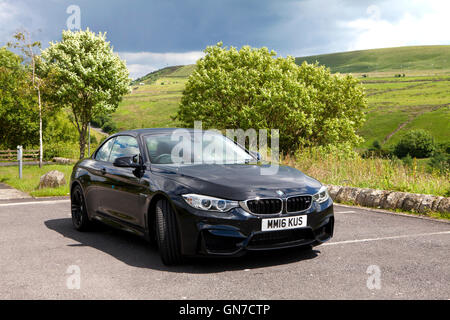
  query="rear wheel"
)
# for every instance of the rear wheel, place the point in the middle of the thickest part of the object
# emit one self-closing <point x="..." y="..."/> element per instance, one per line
<point x="167" y="234"/>
<point x="80" y="219"/>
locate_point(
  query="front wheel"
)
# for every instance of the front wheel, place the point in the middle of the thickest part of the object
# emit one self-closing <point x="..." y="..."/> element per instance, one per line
<point x="167" y="234"/>
<point x="80" y="219"/>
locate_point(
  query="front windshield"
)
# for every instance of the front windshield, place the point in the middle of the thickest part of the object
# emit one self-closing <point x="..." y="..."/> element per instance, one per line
<point x="185" y="147"/>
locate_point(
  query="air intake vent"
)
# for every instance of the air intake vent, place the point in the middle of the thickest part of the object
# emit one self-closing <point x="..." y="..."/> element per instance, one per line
<point x="265" y="206"/>
<point x="299" y="203"/>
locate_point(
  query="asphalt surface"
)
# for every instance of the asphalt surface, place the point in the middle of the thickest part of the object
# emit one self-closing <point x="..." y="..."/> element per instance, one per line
<point x="41" y="255"/>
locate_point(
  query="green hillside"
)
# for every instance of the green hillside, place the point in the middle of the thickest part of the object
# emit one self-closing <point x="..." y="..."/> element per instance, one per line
<point x="419" y="100"/>
<point x="169" y="72"/>
<point x="389" y="59"/>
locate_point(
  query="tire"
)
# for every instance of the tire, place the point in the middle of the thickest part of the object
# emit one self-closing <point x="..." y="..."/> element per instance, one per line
<point x="167" y="234"/>
<point x="80" y="219"/>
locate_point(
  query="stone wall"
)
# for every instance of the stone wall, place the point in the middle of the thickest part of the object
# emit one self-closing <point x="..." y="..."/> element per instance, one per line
<point x="382" y="199"/>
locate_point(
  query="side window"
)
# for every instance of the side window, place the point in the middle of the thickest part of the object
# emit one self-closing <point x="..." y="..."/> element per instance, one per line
<point x="105" y="150"/>
<point x="124" y="146"/>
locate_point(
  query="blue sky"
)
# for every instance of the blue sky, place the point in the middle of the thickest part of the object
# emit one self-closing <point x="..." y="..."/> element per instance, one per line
<point x="153" y="34"/>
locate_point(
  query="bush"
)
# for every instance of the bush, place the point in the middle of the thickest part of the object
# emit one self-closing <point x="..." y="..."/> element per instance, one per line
<point x="251" y="88"/>
<point x="408" y="161"/>
<point x="109" y="127"/>
<point x="440" y="162"/>
<point x="377" y="151"/>
<point x="105" y="122"/>
<point x="443" y="147"/>
<point x="61" y="149"/>
<point x="416" y="143"/>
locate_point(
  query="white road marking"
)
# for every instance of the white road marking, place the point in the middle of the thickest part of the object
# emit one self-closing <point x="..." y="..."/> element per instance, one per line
<point x="32" y="202"/>
<point x="345" y="211"/>
<point x="386" y="238"/>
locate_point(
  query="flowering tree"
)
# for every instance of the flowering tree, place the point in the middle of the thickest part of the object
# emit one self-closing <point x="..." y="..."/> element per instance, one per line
<point x="87" y="77"/>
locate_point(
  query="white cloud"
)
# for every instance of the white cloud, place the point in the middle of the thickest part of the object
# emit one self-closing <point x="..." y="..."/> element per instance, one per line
<point x="423" y="23"/>
<point x="141" y="63"/>
<point x="8" y="16"/>
<point x="16" y="16"/>
<point x="7" y="12"/>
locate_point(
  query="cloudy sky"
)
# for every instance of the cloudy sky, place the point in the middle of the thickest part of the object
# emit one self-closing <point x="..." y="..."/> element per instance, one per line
<point x="150" y="34"/>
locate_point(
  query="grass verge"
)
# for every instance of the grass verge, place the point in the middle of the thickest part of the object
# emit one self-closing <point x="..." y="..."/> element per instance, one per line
<point x="31" y="176"/>
<point x="375" y="173"/>
<point x="382" y="174"/>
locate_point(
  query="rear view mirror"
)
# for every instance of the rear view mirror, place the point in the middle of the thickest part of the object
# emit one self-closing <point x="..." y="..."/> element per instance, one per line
<point x="127" y="162"/>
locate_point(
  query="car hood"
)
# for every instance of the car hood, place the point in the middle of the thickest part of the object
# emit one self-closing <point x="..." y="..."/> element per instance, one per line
<point x="239" y="181"/>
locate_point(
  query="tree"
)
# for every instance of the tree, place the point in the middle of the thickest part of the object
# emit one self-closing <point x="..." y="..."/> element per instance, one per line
<point x="29" y="48"/>
<point x="18" y="116"/>
<point x="251" y="88"/>
<point x="417" y="143"/>
<point x="88" y="77"/>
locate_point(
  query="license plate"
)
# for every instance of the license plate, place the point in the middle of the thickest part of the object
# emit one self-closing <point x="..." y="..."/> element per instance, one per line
<point x="284" y="223"/>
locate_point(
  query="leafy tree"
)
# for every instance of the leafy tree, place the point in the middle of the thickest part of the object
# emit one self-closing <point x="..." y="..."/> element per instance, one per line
<point x="18" y="115"/>
<point x="88" y="77"/>
<point x="417" y="143"/>
<point x="251" y="88"/>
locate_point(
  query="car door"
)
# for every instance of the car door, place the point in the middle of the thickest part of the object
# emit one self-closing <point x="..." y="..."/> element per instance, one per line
<point x="97" y="185"/>
<point x="125" y="196"/>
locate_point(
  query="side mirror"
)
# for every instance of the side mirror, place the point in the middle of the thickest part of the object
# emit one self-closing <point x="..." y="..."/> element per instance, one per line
<point x="127" y="162"/>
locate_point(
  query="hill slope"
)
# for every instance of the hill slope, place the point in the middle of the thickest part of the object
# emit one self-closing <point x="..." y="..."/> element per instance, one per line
<point x="168" y="72"/>
<point x="388" y="59"/>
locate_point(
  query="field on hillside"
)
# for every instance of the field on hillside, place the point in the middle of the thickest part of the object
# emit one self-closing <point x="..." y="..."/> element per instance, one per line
<point x="154" y="99"/>
<point x="419" y="100"/>
<point x="150" y="105"/>
<point x="397" y="105"/>
<point x="401" y="59"/>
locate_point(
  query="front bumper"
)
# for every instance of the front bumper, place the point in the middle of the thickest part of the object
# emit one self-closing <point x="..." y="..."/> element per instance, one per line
<point x="237" y="231"/>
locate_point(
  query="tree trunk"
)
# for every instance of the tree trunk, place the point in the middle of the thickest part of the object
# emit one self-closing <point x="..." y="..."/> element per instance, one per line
<point x="83" y="140"/>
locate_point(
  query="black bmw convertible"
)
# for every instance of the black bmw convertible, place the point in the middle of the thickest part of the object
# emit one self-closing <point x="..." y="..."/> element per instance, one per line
<point x="195" y="200"/>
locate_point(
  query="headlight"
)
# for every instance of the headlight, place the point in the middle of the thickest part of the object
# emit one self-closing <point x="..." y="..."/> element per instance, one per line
<point x="322" y="195"/>
<point x="206" y="203"/>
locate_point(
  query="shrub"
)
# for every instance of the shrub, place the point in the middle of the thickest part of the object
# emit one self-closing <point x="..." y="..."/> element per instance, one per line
<point x="416" y="143"/>
<point x="376" y="151"/>
<point x="61" y="149"/>
<point x="408" y="161"/>
<point x="440" y="162"/>
<point x="443" y="147"/>
<point x="109" y="127"/>
<point x="105" y="122"/>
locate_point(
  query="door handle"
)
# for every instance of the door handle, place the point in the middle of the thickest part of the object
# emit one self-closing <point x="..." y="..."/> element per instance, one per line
<point x="103" y="171"/>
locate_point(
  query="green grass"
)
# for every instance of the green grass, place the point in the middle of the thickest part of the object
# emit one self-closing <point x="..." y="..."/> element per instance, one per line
<point x="373" y="173"/>
<point x="30" y="180"/>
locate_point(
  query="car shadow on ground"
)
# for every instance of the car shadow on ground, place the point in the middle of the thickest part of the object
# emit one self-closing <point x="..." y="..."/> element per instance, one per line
<point x="137" y="252"/>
